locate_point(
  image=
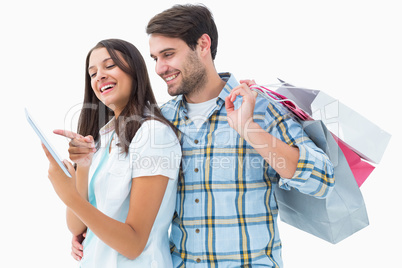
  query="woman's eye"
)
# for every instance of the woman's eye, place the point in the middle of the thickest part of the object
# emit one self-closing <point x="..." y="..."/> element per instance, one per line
<point x="110" y="66"/>
<point x="92" y="75"/>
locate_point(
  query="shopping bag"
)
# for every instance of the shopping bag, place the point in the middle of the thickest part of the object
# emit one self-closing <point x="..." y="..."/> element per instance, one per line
<point x="342" y="212"/>
<point x="358" y="133"/>
<point x="360" y="168"/>
<point x="275" y="96"/>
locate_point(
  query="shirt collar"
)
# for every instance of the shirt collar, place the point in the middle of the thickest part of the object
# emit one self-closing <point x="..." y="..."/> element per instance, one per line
<point x="231" y="83"/>
<point x="109" y="127"/>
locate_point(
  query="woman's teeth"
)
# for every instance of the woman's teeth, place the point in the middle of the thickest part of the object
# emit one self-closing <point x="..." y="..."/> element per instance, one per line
<point x="106" y="87"/>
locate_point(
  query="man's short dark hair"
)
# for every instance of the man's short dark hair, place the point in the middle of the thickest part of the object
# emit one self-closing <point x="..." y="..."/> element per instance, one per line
<point x="187" y="22"/>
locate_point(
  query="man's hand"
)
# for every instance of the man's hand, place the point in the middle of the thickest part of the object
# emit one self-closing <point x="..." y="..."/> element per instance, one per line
<point x="241" y="118"/>
<point x="76" y="246"/>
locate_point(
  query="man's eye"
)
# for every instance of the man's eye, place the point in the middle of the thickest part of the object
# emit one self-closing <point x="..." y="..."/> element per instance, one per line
<point x="168" y="54"/>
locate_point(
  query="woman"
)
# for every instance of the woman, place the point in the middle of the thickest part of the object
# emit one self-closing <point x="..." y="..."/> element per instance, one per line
<point x="124" y="188"/>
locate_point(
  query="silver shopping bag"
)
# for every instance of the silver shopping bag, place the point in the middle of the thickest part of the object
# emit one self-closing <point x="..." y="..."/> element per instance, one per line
<point x="342" y="212"/>
<point x="358" y="133"/>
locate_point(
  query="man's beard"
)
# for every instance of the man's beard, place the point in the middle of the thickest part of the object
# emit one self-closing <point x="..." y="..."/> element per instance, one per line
<point x="195" y="79"/>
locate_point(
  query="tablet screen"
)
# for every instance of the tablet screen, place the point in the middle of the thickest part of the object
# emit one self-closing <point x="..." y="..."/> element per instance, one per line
<point x="46" y="142"/>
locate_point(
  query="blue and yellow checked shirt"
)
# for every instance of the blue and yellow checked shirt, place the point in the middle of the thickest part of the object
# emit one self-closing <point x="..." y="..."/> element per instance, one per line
<point x="226" y="213"/>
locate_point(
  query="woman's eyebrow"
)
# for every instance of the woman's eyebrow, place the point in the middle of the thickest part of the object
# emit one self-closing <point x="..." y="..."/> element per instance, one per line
<point x="90" y="67"/>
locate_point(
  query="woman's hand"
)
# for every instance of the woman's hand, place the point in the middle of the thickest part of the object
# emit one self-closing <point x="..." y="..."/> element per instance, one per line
<point x="241" y="118"/>
<point x="81" y="148"/>
<point x="62" y="184"/>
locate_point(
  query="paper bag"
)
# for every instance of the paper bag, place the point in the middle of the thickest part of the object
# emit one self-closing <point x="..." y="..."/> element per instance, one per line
<point x="358" y="133"/>
<point x="360" y="168"/>
<point x="342" y="212"/>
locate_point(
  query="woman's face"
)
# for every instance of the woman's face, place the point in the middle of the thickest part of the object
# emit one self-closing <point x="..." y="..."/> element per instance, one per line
<point x="111" y="85"/>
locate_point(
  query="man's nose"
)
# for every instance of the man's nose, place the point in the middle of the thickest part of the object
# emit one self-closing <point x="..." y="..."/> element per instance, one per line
<point x="161" y="67"/>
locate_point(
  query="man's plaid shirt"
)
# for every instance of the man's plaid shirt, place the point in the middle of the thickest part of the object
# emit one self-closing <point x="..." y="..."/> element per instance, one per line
<point x="226" y="213"/>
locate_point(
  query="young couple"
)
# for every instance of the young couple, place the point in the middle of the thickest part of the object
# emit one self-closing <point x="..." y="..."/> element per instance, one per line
<point x="227" y="151"/>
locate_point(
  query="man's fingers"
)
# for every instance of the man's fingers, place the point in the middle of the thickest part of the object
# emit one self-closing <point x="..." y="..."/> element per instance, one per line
<point x="229" y="105"/>
<point x="76" y="248"/>
<point x="248" y="82"/>
<point x="75" y="256"/>
<point x="239" y="90"/>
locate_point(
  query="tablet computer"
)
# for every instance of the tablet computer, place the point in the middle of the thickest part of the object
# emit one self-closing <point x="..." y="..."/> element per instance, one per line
<point x="46" y="142"/>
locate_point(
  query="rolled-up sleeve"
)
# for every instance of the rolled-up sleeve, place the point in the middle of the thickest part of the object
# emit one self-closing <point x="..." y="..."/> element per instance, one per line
<point x="155" y="150"/>
<point x="314" y="174"/>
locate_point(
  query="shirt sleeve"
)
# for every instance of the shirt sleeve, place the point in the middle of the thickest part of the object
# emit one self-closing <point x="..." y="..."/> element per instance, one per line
<point x="155" y="150"/>
<point x="315" y="172"/>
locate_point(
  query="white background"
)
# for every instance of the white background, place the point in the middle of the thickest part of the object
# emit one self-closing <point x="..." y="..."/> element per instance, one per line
<point x="350" y="49"/>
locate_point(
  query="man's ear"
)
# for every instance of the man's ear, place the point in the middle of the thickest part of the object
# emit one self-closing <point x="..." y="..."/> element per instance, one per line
<point x="204" y="44"/>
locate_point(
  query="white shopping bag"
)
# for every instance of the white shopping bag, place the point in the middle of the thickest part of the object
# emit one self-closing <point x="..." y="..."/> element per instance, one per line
<point x="358" y="133"/>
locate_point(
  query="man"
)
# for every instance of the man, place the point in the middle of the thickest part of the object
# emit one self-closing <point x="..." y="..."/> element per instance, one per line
<point x="236" y="149"/>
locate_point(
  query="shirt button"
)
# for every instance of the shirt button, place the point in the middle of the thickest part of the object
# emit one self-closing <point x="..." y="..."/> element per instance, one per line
<point x="186" y="117"/>
<point x="197" y="231"/>
<point x="198" y="260"/>
<point x="196" y="141"/>
<point x="196" y="170"/>
<point x="197" y="200"/>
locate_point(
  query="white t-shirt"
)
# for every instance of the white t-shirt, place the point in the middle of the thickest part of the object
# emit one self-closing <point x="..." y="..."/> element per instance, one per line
<point x="154" y="150"/>
<point x="198" y="112"/>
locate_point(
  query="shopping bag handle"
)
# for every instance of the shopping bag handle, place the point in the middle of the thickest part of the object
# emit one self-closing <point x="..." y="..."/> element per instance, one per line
<point x="278" y="98"/>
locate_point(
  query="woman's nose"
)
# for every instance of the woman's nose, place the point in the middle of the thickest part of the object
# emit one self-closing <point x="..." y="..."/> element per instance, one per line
<point x="100" y="75"/>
